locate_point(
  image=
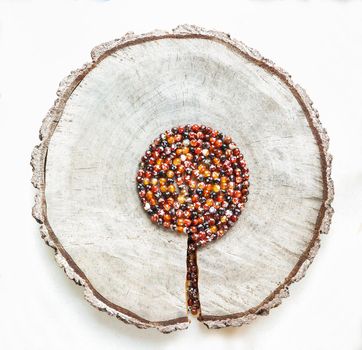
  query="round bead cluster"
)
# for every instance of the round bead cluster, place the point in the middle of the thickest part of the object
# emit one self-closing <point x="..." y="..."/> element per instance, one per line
<point x="193" y="180"/>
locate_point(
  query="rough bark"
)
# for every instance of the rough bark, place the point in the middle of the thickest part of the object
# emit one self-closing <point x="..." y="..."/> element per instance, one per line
<point x="104" y="118"/>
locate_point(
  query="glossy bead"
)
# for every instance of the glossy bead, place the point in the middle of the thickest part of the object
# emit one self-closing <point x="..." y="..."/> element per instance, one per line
<point x="216" y="188"/>
<point x="170" y="174"/>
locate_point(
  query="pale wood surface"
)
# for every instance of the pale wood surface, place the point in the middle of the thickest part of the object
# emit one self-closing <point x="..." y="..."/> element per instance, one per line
<point x="124" y="99"/>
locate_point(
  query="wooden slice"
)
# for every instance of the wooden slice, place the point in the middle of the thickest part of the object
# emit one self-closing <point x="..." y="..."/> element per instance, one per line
<point x="106" y="115"/>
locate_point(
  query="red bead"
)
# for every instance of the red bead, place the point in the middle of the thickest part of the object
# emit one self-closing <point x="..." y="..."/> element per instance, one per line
<point x="233" y="218"/>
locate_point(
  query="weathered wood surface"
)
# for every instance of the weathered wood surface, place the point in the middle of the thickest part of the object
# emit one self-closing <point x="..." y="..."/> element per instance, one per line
<point x="106" y="115"/>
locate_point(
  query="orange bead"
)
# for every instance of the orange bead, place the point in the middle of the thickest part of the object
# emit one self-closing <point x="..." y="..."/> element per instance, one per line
<point x="210" y="202"/>
<point x="167" y="217"/>
<point x="192" y="184"/>
<point x="181" y="169"/>
<point x="218" y="143"/>
<point x="194" y="198"/>
<point x="179" y="181"/>
<point x="170" y="174"/>
<point x="180" y="222"/>
<point x="170" y="201"/>
<point x="176" y="161"/>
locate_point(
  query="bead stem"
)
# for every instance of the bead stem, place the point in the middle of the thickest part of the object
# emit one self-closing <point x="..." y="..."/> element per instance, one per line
<point x="193" y="301"/>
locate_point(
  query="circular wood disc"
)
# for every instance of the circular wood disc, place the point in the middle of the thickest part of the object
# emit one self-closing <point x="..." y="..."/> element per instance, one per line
<point x="106" y="115"/>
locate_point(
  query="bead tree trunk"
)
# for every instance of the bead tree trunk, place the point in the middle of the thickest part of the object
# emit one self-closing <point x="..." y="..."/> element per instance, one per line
<point x="125" y="248"/>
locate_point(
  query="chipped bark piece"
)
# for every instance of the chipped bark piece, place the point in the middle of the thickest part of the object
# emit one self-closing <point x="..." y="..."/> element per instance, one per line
<point x="84" y="170"/>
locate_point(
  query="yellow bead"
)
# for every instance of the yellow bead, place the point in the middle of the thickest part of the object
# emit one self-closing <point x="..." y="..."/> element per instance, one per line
<point x="162" y="181"/>
<point x="171" y="188"/>
<point x="163" y="188"/>
<point x="216" y="188"/>
<point x="207" y="173"/>
<point x="201" y="168"/>
<point x="154" y="181"/>
<point x="201" y="185"/>
<point x="181" y="199"/>
<point x="215" y="174"/>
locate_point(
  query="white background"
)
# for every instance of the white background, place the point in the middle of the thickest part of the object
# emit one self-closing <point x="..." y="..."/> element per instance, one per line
<point x="319" y="43"/>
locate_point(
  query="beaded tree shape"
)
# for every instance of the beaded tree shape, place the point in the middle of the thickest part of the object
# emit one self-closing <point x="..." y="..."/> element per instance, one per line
<point x="193" y="180"/>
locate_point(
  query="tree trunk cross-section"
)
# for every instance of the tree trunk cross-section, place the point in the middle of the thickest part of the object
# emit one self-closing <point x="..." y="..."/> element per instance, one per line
<point x="84" y="169"/>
